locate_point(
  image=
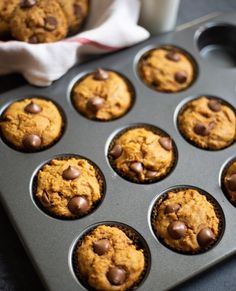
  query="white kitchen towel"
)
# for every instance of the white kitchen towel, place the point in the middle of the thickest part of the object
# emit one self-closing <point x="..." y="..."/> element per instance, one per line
<point x="112" y="25"/>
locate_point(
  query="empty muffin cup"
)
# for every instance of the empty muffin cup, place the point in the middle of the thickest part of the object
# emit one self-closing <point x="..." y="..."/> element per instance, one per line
<point x="216" y="43"/>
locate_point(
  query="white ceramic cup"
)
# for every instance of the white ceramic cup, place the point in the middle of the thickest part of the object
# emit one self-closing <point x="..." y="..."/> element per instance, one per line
<point x="159" y="16"/>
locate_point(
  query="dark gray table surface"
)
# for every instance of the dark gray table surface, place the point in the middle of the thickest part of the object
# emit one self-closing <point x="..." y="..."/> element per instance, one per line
<point x="16" y="271"/>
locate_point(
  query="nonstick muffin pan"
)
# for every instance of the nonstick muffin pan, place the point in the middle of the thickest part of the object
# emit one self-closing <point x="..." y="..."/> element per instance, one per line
<point x="50" y="241"/>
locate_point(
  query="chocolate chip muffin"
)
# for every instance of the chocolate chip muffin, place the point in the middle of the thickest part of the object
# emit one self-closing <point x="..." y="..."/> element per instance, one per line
<point x="68" y="188"/>
<point x="6" y="9"/>
<point x="229" y="182"/>
<point x="31" y="124"/>
<point x="108" y="260"/>
<point x="167" y="69"/>
<point x="208" y="123"/>
<point x="39" y="21"/>
<point x="102" y="95"/>
<point x="142" y="154"/>
<point x="186" y="221"/>
<point x="76" y="12"/>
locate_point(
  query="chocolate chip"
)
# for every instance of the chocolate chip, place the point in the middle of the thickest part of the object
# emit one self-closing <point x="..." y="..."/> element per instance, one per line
<point x="116" y="151"/>
<point x="33" y="108"/>
<point x="166" y="143"/>
<point x="50" y="23"/>
<point x="173" y="56"/>
<point x="33" y="39"/>
<point x="101" y="246"/>
<point x="181" y="77"/>
<point x="32" y="141"/>
<point x="201" y="129"/>
<point x="231" y="182"/>
<point x="101" y="75"/>
<point x="205" y="237"/>
<point x="77" y="11"/>
<point x="177" y="229"/>
<point x="155" y="83"/>
<point x="95" y="103"/>
<point x="151" y="174"/>
<point x="211" y="125"/>
<point x="116" y="275"/>
<point x="6" y="118"/>
<point x="137" y="167"/>
<point x="170" y="208"/>
<point x="214" y="105"/>
<point x="27" y="3"/>
<point x="45" y="199"/>
<point x="71" y="173"/>
<point x="78" y="205"/>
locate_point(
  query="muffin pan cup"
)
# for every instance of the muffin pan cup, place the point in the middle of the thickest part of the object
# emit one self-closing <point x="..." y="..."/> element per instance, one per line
<point x="218" y="211"/>
<point x="155" y="130"/>
<point x="49" y="241"/>
<point x="137" y="241"/>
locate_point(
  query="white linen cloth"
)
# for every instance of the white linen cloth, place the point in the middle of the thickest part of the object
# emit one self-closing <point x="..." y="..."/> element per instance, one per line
<point x="112" y="25"/>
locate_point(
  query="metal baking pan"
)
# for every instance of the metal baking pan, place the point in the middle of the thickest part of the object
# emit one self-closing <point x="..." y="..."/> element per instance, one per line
<point x="49" y="241"/>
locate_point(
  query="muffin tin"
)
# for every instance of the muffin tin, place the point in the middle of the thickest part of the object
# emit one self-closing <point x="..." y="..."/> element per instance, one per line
<point x="50" y="241"/>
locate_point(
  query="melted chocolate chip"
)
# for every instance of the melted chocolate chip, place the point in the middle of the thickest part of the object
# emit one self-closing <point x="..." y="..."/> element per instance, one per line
<point x="6" y="118"/>
<point x="32" y="142"/>
<point x="50" y="23"/>
<point x="172" y="208"/>
<point x="33" y="39"/>
<point x="95" y="103"/>
<point x="155" y="83"/>
<point x="101" y="75"/>
<point x="116" y="275"/>
<point x="27" y="3"/>
<point x="166" y="143"/>
<point x="77" y="11"/>
<point x="201" y="129"/>
<point x="214" y="105"/>
<point x="211" y="125"/>
<point x="173" y="56"/>
<point x="137" y="167"/>
<point x="231" y="182"/>
<point x="33" y="108"/>
<point x="181" y="77"/>
<point x="101" y="246"/>
<point x="151" y="174"/>
<point x="205" y="237"/>
<point x="71" y="173"/>
<point x="45" y="199"/>
<point x="177" y="229"/>
<point x="116" y="151"/>
<point x="78" y="205"/>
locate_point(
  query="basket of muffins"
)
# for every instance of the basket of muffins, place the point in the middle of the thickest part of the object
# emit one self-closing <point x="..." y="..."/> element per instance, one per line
<point x="41" y="21"/>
